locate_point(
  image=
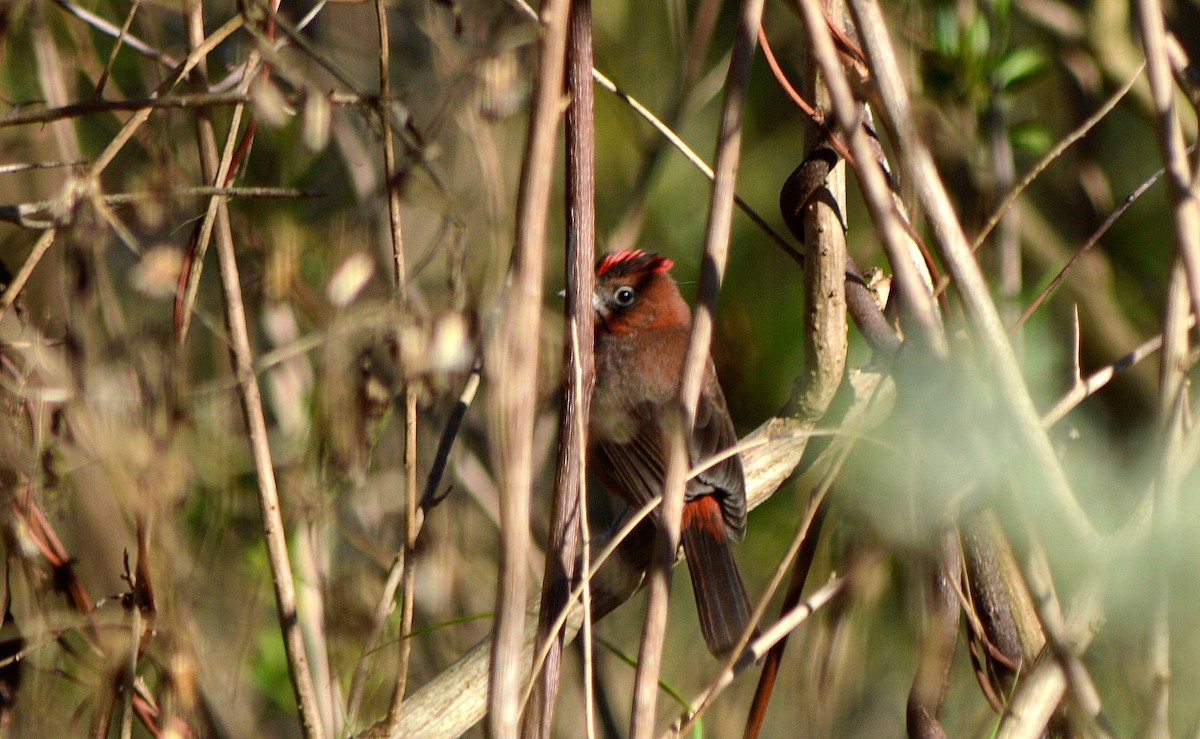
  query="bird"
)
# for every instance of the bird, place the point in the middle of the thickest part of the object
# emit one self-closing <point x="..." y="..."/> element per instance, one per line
<point x="642" y="331"/>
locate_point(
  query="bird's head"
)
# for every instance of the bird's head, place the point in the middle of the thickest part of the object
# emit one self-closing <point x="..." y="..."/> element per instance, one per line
<point x="635" y="292"/>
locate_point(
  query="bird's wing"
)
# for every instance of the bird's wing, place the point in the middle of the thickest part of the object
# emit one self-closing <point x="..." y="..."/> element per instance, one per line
<point x="635" y="469"/>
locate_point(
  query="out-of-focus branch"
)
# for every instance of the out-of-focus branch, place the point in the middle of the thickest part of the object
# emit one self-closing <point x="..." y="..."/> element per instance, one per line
<point x="412" y="523"/>
<point x="1185" y="193"/>
<point x="936" y="650"/>
<point x="1046" y="475"/>
<point x="511" y="363"/>
<point x="1110" y="334"/>
<point x="1039" y="693"/>
<point x="109" y="29"/>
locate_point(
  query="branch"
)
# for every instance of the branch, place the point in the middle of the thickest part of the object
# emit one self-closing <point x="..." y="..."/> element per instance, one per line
<point x="242" y="357"/>
<point x="567" y="513"/>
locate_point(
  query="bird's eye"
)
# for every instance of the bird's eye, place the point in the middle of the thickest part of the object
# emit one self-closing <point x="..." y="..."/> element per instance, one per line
<point x="624" y="297"/>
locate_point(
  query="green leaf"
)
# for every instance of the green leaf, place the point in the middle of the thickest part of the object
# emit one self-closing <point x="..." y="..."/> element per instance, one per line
<point x="1000" y="12"/>
<point x="945" y="33"/>
<point x="978" y="38"/>
<point x="1017" y="66"/>
<point x="1032" y="137"/>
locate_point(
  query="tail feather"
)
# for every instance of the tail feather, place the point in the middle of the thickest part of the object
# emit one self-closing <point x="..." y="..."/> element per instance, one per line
<point x="721" y="599"/>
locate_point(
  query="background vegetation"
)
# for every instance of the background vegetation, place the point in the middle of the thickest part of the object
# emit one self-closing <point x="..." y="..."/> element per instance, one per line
<point x="139" y="457"/>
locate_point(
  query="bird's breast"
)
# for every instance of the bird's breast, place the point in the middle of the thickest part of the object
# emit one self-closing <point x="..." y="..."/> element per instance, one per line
<point x="632" y="372"/>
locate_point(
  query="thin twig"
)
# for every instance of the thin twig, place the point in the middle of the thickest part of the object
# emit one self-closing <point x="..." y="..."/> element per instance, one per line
<point x="716" y="250"/>
<point x="756" y="650"/>
<point x="23" y="117"/>
<point x="1086" y="247"/>
<point x="1184" y="189"/>
<point x="40" y="214"/>
<point x="383" y="607"/>
<point x="141" y="115"/>
<point x="1050" y="157"/>
<point x="409" y="398"/>
<point x="1084" y="388"/>
<point x="817" y="118"/>
<point x="697" y="162"/>
<point x="251" y="396"/>
<point x="105" y="27"/>
<point x="185" y="300"/>
<point x="1185" y="198"/>
<point x="13" y="291"/>
<point x="116" y="49"/>
<point x="685" y="100"/>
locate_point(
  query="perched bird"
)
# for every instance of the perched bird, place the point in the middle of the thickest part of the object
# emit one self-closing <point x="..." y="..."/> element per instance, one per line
<point x="642" y="331"/>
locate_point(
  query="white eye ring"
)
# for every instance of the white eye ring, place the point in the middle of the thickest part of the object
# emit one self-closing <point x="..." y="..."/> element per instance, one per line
<point x="624" y="296"/>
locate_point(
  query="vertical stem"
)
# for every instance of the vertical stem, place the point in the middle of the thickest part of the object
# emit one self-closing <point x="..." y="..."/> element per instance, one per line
<point x="256" y="426"/>
<point x="1172" y="410"/>
<point x="936" y="650"/>
<point x="512" y="364"/>
<point x="716" y="249"/>
<point x="389" y="151"/>
<point x="566" y="513"/>
<point x="1182" y="186"/>
<point x="825" y="342"/>
<point x="1006" y="239"/>
<point x="1172" y="387"/>
<point x="400" y="278"/>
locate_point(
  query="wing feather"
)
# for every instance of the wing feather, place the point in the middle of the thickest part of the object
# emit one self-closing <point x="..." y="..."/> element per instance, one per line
<point x="636" y="468"/>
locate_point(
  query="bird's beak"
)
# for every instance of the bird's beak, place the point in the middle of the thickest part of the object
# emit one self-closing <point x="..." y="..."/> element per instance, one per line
<point x="597" y="305"/>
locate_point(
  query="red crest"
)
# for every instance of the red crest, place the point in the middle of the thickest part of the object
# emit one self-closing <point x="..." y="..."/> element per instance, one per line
<point x="633" y="260"/>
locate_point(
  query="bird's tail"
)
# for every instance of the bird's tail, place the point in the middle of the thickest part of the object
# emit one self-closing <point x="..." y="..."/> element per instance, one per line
<point x="721" y="599"/>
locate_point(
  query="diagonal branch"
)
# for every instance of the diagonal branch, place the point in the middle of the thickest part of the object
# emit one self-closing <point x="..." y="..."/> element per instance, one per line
<point x="716" y="249"/>
<point x="256" y="426"/>
<point x="1046" y="476"/>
